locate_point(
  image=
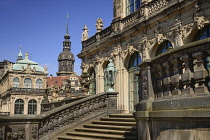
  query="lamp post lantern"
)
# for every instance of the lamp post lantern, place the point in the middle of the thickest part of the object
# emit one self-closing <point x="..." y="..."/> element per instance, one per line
<point x="110" y="75"/>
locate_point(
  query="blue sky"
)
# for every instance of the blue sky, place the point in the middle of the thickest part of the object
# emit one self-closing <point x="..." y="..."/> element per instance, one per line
<point x="40" y="25"/>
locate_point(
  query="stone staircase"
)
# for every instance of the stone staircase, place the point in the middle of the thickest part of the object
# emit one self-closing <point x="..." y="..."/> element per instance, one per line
<point x="114" y="127"/>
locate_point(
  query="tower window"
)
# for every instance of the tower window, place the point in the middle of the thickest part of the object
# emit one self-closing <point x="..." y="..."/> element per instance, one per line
<point x="132" y="6"/>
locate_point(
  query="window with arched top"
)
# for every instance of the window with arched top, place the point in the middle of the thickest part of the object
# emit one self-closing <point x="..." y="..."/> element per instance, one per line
<point x="134" y="60"/>
<point x="32" y="107"/>
<point x="202" y="34"/>
<point x="165" y="46"/>
<point x="16" y="82"/>
<point x="27" y="83"/>
<point x="39" y="83"/>
<point x="133" y="77"/>
<point x="19" y="106"/>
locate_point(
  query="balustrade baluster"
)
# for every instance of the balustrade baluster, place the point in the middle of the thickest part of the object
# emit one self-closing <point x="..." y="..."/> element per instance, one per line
<point x="187" y="75"/>
<point x="159" y="81"/>
<point x="200" y="73"/>
<point x="175" y="79"/>
<point x="167" y="78"/>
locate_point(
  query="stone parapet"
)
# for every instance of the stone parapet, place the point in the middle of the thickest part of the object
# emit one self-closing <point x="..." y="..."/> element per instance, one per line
<point x="30" y="127"/>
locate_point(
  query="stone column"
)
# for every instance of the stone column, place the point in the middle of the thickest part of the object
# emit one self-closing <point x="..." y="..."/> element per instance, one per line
<point x="187" y="75"/>
<point x="112" y="102"/>
<point x="146" y="93"/>
<point x="200" y="73"/>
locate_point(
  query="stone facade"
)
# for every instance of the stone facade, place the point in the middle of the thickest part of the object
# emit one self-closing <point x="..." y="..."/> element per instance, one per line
<point x="173" y="63"/>
<point x="14" y="86"/>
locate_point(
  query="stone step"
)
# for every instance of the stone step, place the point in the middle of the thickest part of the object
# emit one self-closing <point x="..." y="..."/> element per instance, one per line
<point x="106" y="131"/>
<point x="118" y="119"/>
<point x="102" y="136"/>
<point x="112" y="127"/>
<point x="121" y="116"/>
<point x="115" y="123"/>
<point x="75" y="138"/>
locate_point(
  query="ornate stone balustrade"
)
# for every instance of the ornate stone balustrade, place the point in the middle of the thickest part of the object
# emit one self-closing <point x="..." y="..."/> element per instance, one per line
<point x="21" y="90"/>
<point x="133" y="18"/>
<point x="146" y="11"/>
<point x="181" y="72"/>
<point x="52" y="122"/>
<point x="27" y="89"/>
<point x="156" y="6"/>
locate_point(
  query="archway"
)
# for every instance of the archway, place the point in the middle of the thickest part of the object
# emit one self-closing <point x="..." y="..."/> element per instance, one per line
<point x="133" y="76"/>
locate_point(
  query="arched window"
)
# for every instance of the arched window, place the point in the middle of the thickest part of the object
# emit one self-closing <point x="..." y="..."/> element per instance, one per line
<point x="92" y="89"/>
<point x="32" y="106"/>
<point x="16" y="82"/>
<point x="134" y="60"/>
<point x="39" y="83"/>
<point x="133" y="71"/>
<point x="27" y="83"/>
<point x="202" y="34"/>
<point x="165" y="46"/>
<point x="19" y="106"/>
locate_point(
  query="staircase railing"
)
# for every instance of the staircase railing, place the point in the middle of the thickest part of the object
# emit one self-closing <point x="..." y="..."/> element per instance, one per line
<point x="27" y="127"/>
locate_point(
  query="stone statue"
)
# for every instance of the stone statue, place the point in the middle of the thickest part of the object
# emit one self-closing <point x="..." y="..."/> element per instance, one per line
<point x="85" y="82"/>
<point x="85" y="33"/>
<point x="45" y="96"/>
<point x="99" y="25"/>
<point x="67" y="88"/>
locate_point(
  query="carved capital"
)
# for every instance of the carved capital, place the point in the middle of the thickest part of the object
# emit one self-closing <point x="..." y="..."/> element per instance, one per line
<point x="201" y="21"/>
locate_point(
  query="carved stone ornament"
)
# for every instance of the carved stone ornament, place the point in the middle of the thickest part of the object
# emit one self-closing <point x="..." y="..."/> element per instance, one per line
<point x="159" y="37"/>
<point x="201" y="21"/>
<point x="144" y="47"/>
<point x="145" y="86"/>
<point x="85" y="33"/>
<point x="99" y="25"/>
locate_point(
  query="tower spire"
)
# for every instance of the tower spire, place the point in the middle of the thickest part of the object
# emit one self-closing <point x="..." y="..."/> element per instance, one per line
<point x="20" y="54"/>
<point x="67" y="22"/>
<point x="66" y="42"/>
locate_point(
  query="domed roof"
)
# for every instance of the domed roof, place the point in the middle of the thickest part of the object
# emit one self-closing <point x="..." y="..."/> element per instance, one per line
<point x="66" y="55"/>
<point x="24" y="63"/>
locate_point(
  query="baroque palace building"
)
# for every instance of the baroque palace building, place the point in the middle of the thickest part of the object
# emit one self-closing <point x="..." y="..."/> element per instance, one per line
<point x="22" y="87"/>
<point x="160" y="49"/>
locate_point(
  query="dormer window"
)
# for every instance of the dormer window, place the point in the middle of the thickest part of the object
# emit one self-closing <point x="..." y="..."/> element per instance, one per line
<point x="132" y="6"/>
